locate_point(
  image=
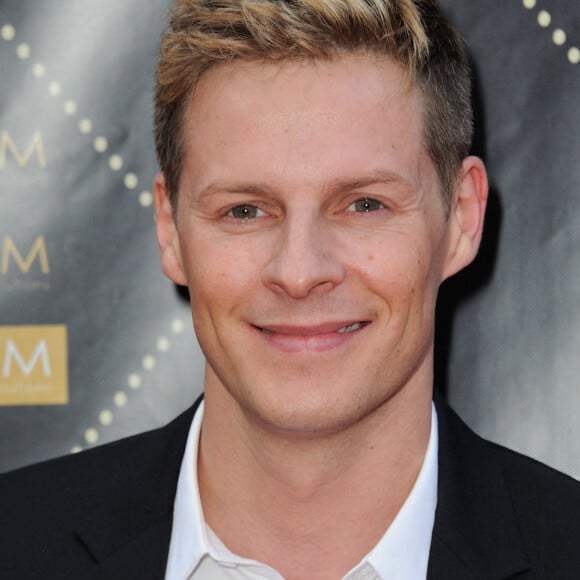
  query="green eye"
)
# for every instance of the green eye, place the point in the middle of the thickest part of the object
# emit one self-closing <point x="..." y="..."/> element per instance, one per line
<point x="245" y="212"/>
<point x="365" y="205"/>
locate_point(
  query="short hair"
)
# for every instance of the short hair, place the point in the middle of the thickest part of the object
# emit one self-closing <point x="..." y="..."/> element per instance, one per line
<point x="414" y="33"/>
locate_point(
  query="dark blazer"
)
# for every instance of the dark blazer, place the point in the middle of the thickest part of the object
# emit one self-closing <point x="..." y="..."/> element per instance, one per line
<point x="107" y="513"/>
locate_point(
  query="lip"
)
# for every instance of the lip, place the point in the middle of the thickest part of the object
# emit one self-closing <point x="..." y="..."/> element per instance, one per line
<point x="312" y="338"/>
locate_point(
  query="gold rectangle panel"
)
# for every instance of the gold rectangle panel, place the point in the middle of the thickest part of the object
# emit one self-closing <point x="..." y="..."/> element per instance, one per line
<point x="33" y="365"/>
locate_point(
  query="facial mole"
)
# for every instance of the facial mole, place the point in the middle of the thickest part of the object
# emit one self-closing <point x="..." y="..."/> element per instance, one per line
<point x="371" y="257"/>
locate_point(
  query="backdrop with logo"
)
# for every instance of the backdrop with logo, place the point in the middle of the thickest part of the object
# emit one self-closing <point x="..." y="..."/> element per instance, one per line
<point x="96" y="344"/>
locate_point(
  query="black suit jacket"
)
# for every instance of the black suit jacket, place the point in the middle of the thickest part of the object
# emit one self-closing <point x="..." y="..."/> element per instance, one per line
<point x="107" y="513"/>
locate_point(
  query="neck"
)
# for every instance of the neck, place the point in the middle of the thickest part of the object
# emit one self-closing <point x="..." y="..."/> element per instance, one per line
<point x="311" y="508"/>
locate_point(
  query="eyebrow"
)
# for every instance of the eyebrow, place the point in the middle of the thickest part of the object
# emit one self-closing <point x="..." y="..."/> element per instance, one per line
<point x="339" y="186"/>
<point x="233" y="187"/>
<point x="375" y="177"/>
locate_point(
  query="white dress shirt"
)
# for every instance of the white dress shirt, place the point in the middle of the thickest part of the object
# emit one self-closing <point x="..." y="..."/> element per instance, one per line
<point x="402" y="553"/>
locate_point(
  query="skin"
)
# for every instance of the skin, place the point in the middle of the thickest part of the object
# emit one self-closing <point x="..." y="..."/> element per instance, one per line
<point x="308" y="205"/>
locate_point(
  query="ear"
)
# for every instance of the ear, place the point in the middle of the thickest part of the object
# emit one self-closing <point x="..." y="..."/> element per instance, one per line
<point x="167" y="236"/>
<point x="466" y="217"/>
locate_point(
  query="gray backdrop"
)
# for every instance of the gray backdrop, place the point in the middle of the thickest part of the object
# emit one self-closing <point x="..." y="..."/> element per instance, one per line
<point x="80" y="285"/>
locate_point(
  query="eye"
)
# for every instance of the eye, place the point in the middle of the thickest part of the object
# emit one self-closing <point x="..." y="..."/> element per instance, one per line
<point x="245" y="212"/>
<point x="365" y="204"/>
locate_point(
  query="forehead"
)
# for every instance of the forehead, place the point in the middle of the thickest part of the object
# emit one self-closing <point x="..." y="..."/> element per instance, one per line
<point x="304" y="118"/>
<point x="344" y="82"/>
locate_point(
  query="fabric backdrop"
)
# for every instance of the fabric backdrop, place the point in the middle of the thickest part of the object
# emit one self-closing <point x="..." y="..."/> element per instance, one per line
<point x="96" y="344"/>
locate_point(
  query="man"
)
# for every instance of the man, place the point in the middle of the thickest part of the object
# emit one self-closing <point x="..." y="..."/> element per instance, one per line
<point x="316" y="189"/>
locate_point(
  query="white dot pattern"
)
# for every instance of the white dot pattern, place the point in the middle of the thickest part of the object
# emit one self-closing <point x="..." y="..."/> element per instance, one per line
<point x="38" y="70"/>
<point x="70" y="107"/>
<point x="85" y="126"/>
<point x="7" y="32"/>
<point x="131" y="181"/>
<point x="145" y="198"/>
<point x="149" y="362"/>
<point x="91" y="435"/>
<point x="177" y="326"/>
<point x="23" y="51"/>
<point x="115" y="162"/>
<point x="54" y="88"/>
<point x="120" y="399"/>
<point x="544" y="18"/>
<point x="163" y="344"/>
<point x="105" y="417"/>
<point x="134" y="381"/>
<point x="100" y="144"/>
<point x="559" y="36"/>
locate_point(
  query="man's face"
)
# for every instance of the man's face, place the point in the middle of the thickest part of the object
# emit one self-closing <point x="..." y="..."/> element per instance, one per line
<point x="310" y="230"/>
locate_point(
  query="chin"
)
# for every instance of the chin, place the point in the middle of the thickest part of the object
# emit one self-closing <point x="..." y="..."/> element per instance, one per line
<point x="311" y="415"/>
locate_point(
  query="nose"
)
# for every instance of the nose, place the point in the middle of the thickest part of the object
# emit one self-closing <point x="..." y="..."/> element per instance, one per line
<point x="303" y="260"/>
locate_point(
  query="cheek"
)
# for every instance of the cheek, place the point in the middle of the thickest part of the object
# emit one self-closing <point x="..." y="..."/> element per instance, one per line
<point x="218" y="272"/>
<point x="400" y="271"/>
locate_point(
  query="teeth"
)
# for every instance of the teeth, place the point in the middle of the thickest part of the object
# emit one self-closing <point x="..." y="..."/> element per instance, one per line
<point x="351" y="327"/>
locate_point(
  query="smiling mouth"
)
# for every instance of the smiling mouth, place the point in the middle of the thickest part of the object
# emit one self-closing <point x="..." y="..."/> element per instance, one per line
<point x="314" y="331"/>
<point x="311" y="339"/>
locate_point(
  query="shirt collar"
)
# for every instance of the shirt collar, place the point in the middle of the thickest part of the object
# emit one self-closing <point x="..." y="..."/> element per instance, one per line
<point x="402" y="552"/>
<point x="408" y="539"/>
<point x="188" y="536"/>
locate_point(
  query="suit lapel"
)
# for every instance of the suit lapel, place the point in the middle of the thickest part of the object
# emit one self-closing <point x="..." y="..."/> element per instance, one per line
<point x="475" y="534"/>
<point x="143" y="557"/>
<point x="445" y="563"/>
<point x="126" y="526"/>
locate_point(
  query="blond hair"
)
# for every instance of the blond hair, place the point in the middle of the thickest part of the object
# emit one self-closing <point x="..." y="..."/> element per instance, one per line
<point x="205" y="33"/>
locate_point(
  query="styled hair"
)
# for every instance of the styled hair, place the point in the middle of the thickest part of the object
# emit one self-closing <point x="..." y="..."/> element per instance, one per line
<point x="414" y="33"/>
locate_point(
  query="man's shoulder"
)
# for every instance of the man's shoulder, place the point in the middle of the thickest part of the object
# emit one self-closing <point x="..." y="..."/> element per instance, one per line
<point x="524" y="474"/>
<point x="510" y="508"/>
<point x="100" y="498"/>
<point x="527" y="472"/>
<point x="535" y="484"/>
<point x="546" y="504"/>
<point x="544" y="498"/>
